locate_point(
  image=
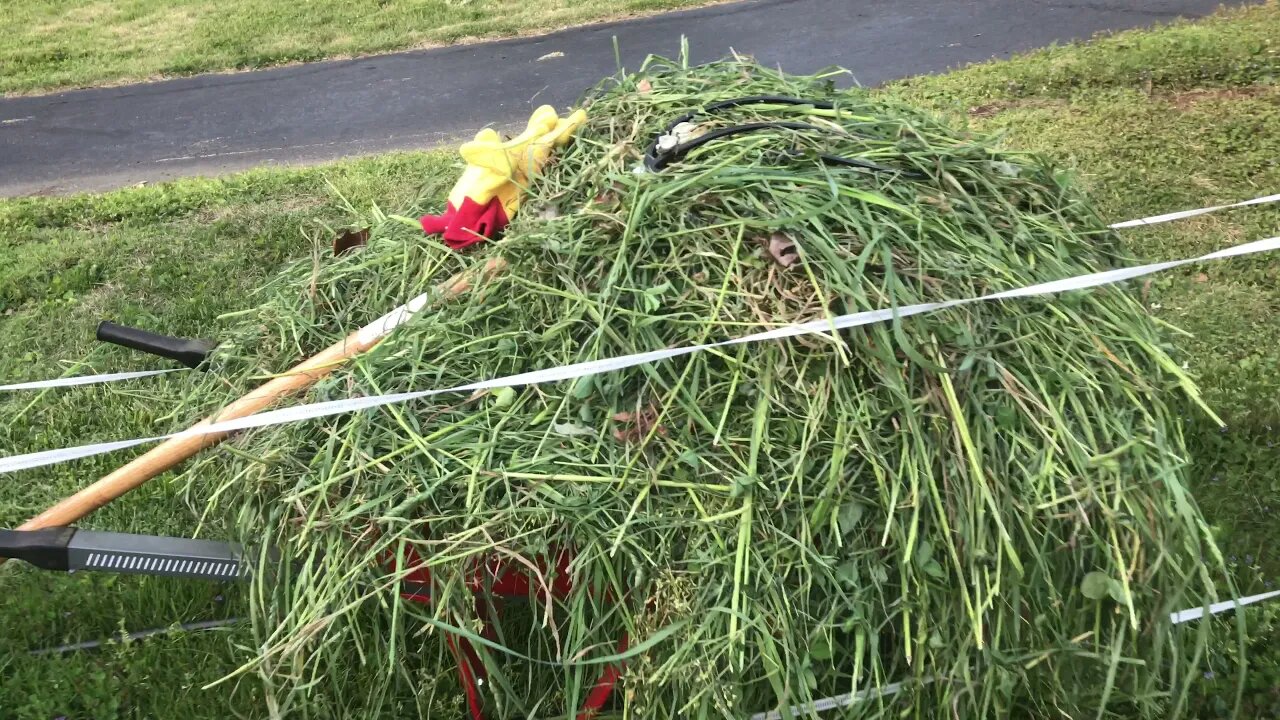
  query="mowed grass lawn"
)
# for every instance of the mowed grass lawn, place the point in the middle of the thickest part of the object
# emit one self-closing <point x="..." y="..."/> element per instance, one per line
<point x="1176" y="118"/>
<point x="58" y="44"/>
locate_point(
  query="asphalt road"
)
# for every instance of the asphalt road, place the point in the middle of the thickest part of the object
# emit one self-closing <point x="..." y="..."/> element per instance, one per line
<point x="102" y="138"/>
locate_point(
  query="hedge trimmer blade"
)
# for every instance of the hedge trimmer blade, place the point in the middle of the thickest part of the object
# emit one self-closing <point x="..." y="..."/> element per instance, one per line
<point x="71" y="549"/>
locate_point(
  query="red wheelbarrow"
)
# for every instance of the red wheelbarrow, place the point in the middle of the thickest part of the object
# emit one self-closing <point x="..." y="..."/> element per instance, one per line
<point x="489" y="579"/>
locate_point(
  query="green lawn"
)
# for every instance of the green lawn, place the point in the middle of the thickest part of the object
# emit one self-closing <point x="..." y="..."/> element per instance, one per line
<point x="1171" y="119"/>
<point x="58" y="44"/>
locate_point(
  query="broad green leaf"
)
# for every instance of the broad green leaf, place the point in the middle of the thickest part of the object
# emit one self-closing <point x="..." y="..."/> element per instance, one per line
<point x="582" y="387"/>
<point x="847" y="573"/>
<point x="820" y="649"/>
<point x="691" y="458"/>
<point x="504" y="397"/>
<point x="1096" y="585"/>
<point x="1115" y="589"/>
<point x="571" y="429"/>
<point x="924" y="553"/>
<point x="850" y="514"/>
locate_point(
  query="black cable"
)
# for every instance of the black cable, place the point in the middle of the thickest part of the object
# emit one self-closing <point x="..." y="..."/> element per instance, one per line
<point x="139" y="635"/>
<point x="655" y="159"/>
<point x="865" y="164"/>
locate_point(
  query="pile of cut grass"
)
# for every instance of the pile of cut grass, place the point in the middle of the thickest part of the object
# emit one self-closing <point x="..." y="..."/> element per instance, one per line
<point x="986" y="503"/>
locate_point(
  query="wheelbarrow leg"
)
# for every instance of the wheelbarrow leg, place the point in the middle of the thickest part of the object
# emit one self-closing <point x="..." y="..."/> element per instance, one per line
<point x="471" y="672"/>
<point x="603" y="688"/>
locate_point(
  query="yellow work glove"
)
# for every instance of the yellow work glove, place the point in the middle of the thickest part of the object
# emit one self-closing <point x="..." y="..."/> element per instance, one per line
<point x="498" y="173"/>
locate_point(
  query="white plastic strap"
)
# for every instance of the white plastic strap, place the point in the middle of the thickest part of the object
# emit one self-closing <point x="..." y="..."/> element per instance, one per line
<point x="846" y="699"/>
<point x="594" y="367"/>
<point x="385" y="324"/>
<point x="87" y="379"/>
<point x="832" y="703"/>
<point x="1167" y="217"/>
<point x="1196" y="613"/>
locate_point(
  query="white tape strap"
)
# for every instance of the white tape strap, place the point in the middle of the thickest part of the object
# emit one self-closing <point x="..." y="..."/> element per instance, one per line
<point x="87" y="379"/>
<point x="384" y="325"/>
<point x="1168" y="217"/>
<point x="54" y="457"/>
<point x="847" y="699"/>
<point x="1196" y="613"/>
<point x="573" y="371"/>
<point x="832" y="703"/>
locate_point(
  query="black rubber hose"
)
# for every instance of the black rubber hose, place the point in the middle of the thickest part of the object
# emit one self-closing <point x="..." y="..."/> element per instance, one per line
<point x="655" y="160"/>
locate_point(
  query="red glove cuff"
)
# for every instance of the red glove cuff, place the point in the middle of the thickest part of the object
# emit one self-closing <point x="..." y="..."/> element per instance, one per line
<point x="468" y="224"/>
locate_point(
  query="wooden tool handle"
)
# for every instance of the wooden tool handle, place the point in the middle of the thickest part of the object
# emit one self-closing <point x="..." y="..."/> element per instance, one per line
<point x="173" y="451"/>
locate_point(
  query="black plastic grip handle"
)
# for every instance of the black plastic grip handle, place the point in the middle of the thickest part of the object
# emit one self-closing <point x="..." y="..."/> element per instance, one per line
<point x="45" y="549"/>
<point x="189" y="352"/>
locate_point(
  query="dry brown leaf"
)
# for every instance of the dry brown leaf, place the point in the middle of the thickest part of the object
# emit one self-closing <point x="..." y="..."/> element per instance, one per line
<point x="782" y="249"/>
<point x="349" y="240"/>
<point x="1202" y="278"/>
<point x="637" y="425"/>
<point x="938" y="201"/>
<point x="611" y="196"/>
